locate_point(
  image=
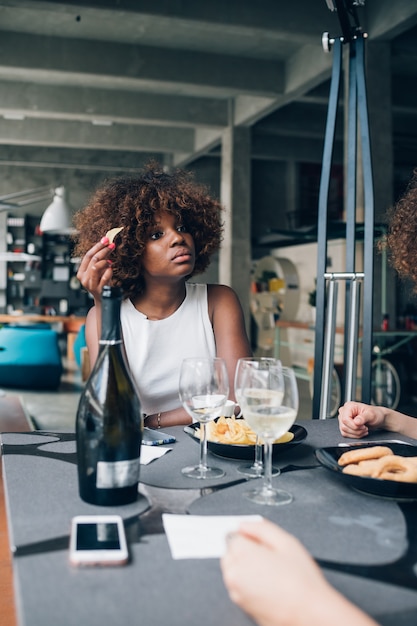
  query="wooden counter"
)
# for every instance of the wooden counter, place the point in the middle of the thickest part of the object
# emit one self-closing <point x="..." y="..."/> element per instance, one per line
<point x="13" y="418"/>
<point x="26" y="318"/>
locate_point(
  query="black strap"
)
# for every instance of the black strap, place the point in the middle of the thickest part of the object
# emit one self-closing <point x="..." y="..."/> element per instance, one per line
<point x="322" y="223"/>
<point x="357" y="107"/>
<point x="369" y="224"/>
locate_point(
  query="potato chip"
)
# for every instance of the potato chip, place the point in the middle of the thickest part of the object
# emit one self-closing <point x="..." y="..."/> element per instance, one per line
<point x="229" y="430"/>
<point x="111" y="234"/>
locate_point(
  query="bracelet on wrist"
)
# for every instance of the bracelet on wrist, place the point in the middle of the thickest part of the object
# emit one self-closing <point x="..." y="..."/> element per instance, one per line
<point x="158" y="419"/>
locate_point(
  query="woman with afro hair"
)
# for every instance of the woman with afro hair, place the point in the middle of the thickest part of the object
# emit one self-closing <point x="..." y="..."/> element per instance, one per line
<point x="356" y="418"/>
<point x="171" y="227"/>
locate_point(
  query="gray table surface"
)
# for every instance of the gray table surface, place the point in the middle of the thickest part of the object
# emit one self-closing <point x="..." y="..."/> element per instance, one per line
<point x="339" y="526"/>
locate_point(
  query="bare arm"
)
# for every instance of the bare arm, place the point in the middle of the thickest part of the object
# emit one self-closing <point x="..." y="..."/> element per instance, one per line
<point x="266" y="571"/>
<point x="92" y="334"/>
<point x="226" y="315"/>
<point x="357" y="419"/>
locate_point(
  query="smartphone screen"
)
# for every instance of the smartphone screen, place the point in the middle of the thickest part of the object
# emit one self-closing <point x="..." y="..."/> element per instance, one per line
<point x="98" y="540"/>
<point x="98" y="536"/>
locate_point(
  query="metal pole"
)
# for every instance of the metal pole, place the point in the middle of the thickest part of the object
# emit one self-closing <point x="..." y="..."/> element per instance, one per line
<point x="352" y="348"/>
<point x="328" y="352"/>
<point x="351" y="337"/>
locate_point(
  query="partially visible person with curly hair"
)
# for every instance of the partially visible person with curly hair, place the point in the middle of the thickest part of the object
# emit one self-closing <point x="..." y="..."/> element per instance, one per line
<point x="171" y="227"/>
<point x="402" y="233"/>
<point x="355" y="418"/>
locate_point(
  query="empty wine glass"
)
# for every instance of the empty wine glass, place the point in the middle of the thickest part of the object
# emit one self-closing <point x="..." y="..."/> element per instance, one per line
<point x="255" y="469"/>
<point x="270" y="405"/>
<point x="203" y="390"/>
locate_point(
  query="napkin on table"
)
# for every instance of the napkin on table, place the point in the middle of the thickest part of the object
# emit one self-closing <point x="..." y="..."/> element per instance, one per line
<point x="201" y="536"/>
<point x="150" y="453"/>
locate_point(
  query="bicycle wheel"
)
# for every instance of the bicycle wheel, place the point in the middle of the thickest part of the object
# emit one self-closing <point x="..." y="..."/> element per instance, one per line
<point x="335" y="392"/>
<point x="385" y="384"/>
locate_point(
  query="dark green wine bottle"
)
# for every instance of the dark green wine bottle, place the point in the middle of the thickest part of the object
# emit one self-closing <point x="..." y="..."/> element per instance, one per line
<point x="109" y="422"/>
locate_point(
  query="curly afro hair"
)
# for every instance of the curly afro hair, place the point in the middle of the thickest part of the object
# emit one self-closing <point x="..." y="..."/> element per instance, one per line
<point x="134" y="202"/>
<point x="402" y="233"/>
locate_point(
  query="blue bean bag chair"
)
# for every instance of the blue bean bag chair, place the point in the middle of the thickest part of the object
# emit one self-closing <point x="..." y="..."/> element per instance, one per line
<point x="30" y="357"/>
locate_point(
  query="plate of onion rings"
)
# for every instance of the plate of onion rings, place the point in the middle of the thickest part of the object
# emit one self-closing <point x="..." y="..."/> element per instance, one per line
<point x="392" y="475"/>
<point x="232" y="438"/>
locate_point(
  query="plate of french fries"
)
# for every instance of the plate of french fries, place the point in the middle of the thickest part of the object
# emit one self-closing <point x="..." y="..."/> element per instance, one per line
<point x="386" y="469"/>
<point x="232" y="437"/>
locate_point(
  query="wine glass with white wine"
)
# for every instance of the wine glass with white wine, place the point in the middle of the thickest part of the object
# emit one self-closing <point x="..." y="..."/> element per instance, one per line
<point x="255" y="469"/>
<point x="203" y="390"/>
<point x="270" y="406"/>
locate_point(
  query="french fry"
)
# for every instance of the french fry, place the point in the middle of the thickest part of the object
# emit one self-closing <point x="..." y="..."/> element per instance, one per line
<point x="230" y="430"/>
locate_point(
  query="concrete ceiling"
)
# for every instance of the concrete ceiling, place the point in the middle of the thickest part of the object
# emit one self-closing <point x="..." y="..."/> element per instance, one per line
<point x="95" y="82"/>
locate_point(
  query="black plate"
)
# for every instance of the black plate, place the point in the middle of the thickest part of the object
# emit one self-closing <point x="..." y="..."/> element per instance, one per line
<point x="328" y="457"/>
<point x="241" y="451"/>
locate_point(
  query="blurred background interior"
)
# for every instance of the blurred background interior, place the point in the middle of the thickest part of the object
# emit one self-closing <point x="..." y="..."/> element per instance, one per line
<point x="238" y="93"/>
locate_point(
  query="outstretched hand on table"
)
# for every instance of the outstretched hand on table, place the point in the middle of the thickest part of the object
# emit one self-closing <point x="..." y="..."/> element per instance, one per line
<point x="357" y="419"/>
<point x="271" y="576"/>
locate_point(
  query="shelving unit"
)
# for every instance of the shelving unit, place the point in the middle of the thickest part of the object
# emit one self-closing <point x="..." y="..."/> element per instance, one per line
<point x="24" y="245"/>
<point x="39" y="274"/>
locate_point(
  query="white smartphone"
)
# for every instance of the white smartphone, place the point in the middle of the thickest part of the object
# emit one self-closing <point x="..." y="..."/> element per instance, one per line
<point x="98" y="540"/>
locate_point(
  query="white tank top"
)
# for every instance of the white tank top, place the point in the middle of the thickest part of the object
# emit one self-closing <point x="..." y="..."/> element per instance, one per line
<point x="155" y="348"/>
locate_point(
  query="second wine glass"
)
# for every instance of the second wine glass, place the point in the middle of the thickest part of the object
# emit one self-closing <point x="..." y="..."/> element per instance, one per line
<point x="270" y="405"/>
<point x="203" y="390"/>
<point x="255" y="469"/>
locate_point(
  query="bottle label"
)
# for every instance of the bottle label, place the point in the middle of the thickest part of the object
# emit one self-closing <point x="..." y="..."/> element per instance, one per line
<point x="117" y="474"/>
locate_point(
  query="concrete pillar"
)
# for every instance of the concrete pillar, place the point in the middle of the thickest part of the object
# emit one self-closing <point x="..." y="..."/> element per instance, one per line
<point x="235" y="195"/>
